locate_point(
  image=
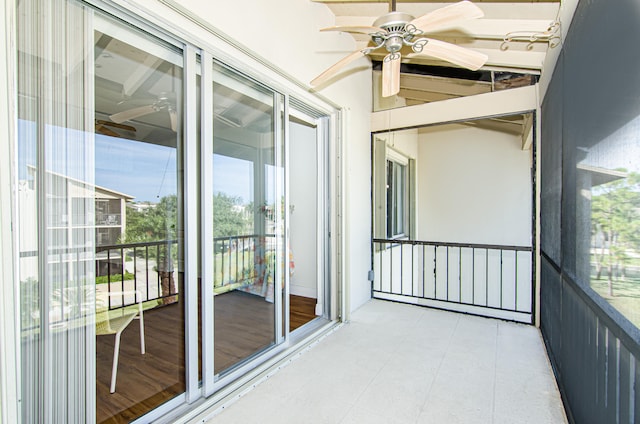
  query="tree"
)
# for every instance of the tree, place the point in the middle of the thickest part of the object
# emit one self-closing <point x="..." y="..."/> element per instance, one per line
<point x="230" y="216"/>
<point x="615" y="215"/>
<point x="157" y="223"/>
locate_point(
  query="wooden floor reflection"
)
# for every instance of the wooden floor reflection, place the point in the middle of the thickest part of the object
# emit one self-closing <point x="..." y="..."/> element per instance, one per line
<point x="243" y="326"/>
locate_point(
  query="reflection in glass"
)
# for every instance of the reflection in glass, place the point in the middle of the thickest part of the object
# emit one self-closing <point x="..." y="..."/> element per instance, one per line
<point x="138" y="83"/>
<point x="608" y="216"/>
<point x="306" y="214"/>
<point x="248" y="184"/>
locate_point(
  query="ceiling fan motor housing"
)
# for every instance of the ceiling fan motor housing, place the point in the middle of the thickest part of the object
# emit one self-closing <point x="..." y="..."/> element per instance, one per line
<point x="393" y="21"/>
<point x="395" y="24"/>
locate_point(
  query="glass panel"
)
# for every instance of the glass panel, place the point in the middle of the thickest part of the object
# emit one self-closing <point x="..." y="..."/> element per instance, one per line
<point x="396" y="187"/>
<point x="304" y="223"/>
<point x="138" y="220"/>
<point x="248" y="185"/>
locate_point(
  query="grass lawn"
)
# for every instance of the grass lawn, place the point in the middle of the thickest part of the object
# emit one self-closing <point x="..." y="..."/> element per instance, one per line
<point x="626" y="296"/>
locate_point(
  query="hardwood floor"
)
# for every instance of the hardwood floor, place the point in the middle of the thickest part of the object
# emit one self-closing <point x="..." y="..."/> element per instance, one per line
<point x="244" y="325"/>
<point x="301" y="311"/>
<point x="144" y="381"/>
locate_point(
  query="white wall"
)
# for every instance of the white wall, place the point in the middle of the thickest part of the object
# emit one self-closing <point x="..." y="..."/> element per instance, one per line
<point x="287" y="35"/>
<point x="475" y="186"/>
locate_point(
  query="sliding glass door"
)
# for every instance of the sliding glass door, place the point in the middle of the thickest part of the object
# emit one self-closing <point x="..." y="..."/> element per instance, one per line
<point x="138" y="220"/>
<point x="172" y="218"/>
<point x="248" y="218"/>
<point x="308" y="235"/>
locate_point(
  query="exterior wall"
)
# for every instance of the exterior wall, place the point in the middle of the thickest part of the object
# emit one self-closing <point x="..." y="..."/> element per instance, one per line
<point x="475" y="186"/>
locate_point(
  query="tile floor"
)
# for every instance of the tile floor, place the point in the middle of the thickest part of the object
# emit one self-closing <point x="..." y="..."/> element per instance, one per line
<point x="396" y="364"/>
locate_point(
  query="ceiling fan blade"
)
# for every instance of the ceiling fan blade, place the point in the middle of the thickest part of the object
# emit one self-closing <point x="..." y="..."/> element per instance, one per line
<point x="173" y="117"/>
<point x="455" y="54"/>
<point x="391" y="75"/>
<point x="130" y="114"/>
<point x="336" y="67"/>
<point x="448" y="15"/>
<point x="100" y="122"/>
<point x="106" y="131"/>
<point x="362" y="29"/>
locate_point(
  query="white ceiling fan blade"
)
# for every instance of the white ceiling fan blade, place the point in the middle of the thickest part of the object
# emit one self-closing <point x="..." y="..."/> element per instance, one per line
<point x="460" y="56"/>
<point x="391" y="75"/>
<point x="130" y="114"/>
<point x="173" y="117"/>
<point x="336" y="67"/>
<point x="448" y="15"/>
<point x="363" y="29"/>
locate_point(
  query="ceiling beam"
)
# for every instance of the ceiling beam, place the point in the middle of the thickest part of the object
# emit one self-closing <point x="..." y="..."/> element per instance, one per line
<point x="424" y="96"/>
<point x="499" y="103"/>
<point x="140" y="75"/>
<point x="487" y="29"/>
<point x="443" y="85"/>
<point x="514" y="9"/>
<point x="496" y="125"/>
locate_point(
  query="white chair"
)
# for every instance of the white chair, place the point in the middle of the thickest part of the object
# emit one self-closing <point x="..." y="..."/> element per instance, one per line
<point x="116" y="325"/>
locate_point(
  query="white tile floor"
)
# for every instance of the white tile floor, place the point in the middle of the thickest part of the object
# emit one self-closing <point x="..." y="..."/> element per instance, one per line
<point x="400" y="364"/>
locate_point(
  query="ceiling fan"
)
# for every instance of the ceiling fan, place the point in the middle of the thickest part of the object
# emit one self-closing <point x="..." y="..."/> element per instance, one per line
<point x="164" y="102"/>
<point x="397" y="29"/>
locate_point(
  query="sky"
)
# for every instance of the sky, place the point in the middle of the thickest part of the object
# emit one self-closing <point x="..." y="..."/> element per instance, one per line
<point x="144" y="171"/>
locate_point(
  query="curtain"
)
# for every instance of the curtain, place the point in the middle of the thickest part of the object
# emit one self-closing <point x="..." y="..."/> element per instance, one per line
<point x="56" y="211"/>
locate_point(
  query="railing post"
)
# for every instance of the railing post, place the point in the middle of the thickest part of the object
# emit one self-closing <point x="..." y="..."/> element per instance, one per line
<point x="108" y="278"/>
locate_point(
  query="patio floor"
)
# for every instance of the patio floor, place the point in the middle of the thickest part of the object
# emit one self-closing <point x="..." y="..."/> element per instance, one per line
<point x="396" y="363"/>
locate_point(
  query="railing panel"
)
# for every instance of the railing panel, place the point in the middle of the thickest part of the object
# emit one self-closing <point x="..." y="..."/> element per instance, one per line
<point x="148" y="268"/>
<point x="480" y="273"/>
<point x="483" y="279"/>
<point x="466" y="276"/>
<point x="523" y="272"/>
<point x="494" y="279"/>
<point x="593" y="350"/>
<point x="428" y="272"/>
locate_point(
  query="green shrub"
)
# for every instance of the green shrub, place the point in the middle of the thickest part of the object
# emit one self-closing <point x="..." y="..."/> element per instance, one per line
<point x="104" y="279"/>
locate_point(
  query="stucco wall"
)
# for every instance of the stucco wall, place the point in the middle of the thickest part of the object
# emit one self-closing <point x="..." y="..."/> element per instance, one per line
<point x="475" y="186"/>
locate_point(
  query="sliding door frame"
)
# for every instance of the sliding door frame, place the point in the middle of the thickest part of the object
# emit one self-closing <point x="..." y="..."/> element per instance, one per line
<point x="198" y="56"/>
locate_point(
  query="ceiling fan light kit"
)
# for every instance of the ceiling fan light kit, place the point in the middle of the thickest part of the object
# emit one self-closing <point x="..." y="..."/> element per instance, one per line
<point x="398" y="29"/>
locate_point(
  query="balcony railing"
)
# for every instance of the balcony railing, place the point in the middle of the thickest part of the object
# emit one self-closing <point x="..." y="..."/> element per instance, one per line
<point x="108" y="219"/>
<point x="492" y="280"/>
<point x="144" y="267"/>
<point x="241" y="260"/>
